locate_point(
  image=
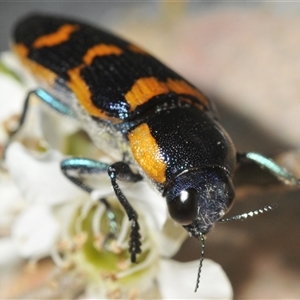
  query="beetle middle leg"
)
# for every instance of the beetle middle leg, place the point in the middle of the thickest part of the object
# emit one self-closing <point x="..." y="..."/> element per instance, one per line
<point x="74" y="167"/>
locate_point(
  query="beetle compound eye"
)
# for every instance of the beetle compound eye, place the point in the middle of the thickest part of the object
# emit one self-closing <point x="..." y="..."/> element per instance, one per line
<point x="183" y="208"/>
<point x="230" y="193"/>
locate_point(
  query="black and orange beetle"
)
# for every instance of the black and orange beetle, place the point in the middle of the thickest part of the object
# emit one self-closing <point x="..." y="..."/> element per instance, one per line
<point x="129" y="102"/>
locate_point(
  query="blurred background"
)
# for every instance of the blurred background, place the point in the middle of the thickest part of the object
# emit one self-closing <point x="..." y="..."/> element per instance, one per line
<point x="246" y="57"/>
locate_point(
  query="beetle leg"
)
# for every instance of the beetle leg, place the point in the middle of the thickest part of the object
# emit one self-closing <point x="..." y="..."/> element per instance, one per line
<point x="45" y="97"/>
<point x="281" y="173"/>
<point x="75" y="166"/>
<point x="72" y="168"/>
<point x="21" y="122"/>
<point x="121" y="171"/>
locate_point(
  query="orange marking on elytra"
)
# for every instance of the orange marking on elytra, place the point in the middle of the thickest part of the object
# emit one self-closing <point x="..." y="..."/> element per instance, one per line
<point x="182" y="87"/>
<point x="52" y="39"/>
<point x="101" y="50"/>
<point x="84" y="95"/>
<point x="137" y="49"/>
<point x="21" y="50"/>
<point x="41" y="73"/>
<point x="148" y="87"/>
<point x="143" y="90"/>
<point x="81" y="89"/>
<point x="147" y="154"/>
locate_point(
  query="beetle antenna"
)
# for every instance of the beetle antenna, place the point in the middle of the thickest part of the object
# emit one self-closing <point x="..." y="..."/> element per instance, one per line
<point x="251" y="214"/>
<point x="201" y="260"/>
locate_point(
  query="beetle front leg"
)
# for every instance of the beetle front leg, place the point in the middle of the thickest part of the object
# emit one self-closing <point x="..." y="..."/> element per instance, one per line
<point x="72" y="168"/>
<point x="281" y="173"/>
<point x="121" y="171"/>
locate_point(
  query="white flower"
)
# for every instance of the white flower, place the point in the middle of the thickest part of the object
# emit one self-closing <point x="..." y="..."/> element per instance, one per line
<point x="31" y="174"/>
<point x="58" y="219"/>
<point x="30" y="239"/>
<point x="175" y="274"/>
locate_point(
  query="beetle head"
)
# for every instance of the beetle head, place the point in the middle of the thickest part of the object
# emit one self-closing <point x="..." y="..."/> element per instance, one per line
<point x="198" y="198"/>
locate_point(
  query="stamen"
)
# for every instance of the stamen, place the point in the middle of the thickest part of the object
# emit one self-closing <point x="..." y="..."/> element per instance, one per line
<point x="57" y="259"/>
<point x="83" y="214"/>
<point x="144" y="264"/>
<point x="96" y="222"/>
<point x="68" y="216"/>
<point x="113" y="226"/>
<point x="124" y="228"/>
<point x="31" y="265"/>
<point x="79" y="240"/>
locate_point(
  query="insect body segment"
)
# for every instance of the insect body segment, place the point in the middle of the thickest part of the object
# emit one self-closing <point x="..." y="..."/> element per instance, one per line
<point x="129" y="102"/>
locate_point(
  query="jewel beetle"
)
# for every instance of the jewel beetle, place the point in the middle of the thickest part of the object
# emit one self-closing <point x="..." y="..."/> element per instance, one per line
<point x="164" y="128"/>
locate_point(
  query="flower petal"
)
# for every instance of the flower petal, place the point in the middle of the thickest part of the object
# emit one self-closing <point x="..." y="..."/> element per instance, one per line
<point x="142" y="197"/>
<point x="148" y="201"/>
<point x="9" y="256"/>
<point x="12" y="95"/>
<point x="177" y="280"/>
<point x="35" y="231"/>
<point x="11" y="200"/>
<point x="171" y="238"/>
<point x="40" y="178"/>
